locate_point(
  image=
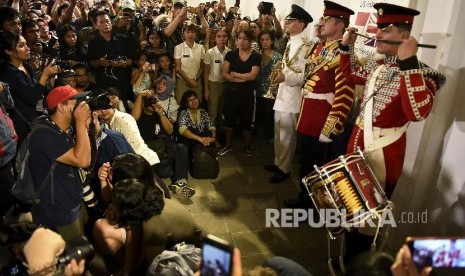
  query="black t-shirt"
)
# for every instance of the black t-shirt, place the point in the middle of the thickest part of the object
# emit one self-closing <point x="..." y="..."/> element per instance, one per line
<point x="239" y="66"/>
<point x="119" y="77"/>
<point x="153" y="133"/>
<point x="150" y="127"/>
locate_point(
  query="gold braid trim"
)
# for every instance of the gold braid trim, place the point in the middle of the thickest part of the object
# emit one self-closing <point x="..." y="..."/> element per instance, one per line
<point x="330" y="126"/>
<point x="316" y="63"/>
<point x="288" y="61"/>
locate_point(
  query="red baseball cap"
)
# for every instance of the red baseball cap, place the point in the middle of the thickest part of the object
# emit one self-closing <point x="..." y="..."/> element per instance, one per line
<point x="61" y="94"/>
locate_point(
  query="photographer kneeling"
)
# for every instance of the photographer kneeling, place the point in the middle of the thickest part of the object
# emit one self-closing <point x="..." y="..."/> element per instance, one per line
<point x="157" y="131"/>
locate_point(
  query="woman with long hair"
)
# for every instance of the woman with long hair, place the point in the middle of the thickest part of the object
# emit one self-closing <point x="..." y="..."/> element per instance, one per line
<point x="70" y="51"/>
<point x="156" y="42"/>
<point x="139" y="223"/>
<point x="26" y="88"/>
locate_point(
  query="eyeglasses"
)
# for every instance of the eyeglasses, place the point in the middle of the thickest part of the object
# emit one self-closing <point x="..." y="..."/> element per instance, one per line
<point x="290" y="20"/>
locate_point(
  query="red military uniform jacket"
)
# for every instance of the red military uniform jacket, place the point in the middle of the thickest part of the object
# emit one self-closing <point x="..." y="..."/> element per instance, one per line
<point x="404" y="91"/>
<point x="327" y="95"/>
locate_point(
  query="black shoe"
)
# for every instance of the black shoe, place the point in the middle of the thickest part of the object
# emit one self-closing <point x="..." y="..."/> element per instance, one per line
<point x="279" y="176"/>
<point x="294" y="203"/>
<point x="271" y="168"/>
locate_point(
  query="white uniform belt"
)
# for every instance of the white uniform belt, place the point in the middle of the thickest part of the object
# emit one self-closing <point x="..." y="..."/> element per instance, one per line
<point x="385" y="136"/>
<point x="325" y="96"/>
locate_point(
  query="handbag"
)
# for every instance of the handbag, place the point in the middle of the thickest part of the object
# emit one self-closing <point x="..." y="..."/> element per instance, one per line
<point x="181" y="260"/>
<point x="204" y="164"/>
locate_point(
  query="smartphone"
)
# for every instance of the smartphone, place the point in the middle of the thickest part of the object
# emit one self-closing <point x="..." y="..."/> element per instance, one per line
<point x="52" y="41"/>
<point x="217" y="256"/>
<point x="36" y="6"/>
<point x="266" y="8"/>
<point x="437" y="252"/>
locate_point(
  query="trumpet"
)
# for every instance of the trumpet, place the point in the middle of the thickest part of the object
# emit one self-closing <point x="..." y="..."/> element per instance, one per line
<point x="273" y="88"/>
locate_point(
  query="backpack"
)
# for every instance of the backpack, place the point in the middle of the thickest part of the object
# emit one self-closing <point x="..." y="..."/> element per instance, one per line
<point x="24" y="188"/>
<point x="180" y="261"/>
<point x="205" y="163"/>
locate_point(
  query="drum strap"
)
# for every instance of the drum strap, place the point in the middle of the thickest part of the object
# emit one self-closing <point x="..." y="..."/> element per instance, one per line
<point x="375" y="139"/>
<point x="338" y="244"/>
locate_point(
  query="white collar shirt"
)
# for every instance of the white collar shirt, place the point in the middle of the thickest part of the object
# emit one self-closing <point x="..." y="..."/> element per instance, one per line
<point x="215" y="59"/>
<point x="127" y="125"/>
<point x="191" y="58"/>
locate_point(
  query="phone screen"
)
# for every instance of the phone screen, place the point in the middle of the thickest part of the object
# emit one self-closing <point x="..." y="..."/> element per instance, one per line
<point x="438" y="252"/>
<point x="36" y="6"/>
<point x="216" y="257"/>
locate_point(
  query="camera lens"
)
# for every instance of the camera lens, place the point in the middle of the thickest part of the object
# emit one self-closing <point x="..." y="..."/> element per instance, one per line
<point x="77" y="248"/>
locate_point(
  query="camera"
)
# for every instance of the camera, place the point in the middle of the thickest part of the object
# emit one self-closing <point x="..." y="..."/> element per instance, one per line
<point x="149" y="101"/>
<point x="266" y="7"/>
<point x="99" y="102"/>
<point x="64" y="64"/>
<point x="78" y="248"/>
<point x="145" y="18"/>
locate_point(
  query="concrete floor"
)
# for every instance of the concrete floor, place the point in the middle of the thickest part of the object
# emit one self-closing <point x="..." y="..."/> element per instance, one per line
<point x="233" y="208"/>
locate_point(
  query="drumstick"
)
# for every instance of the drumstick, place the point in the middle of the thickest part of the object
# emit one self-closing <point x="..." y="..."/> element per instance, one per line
<point x="429" y="46"/>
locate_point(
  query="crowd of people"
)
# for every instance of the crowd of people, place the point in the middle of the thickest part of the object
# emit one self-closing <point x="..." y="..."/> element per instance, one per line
<point x="111" y="97"/>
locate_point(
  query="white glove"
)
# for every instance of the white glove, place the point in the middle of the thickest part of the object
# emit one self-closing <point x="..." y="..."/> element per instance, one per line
<point x="324" y="139"/>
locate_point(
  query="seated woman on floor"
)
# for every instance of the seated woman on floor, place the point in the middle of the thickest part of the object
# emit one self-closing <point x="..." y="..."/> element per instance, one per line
<point x="195" y="125"/>
<point x="139" y="223"/>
